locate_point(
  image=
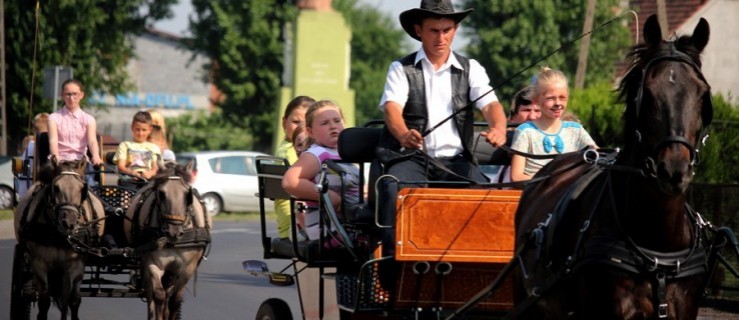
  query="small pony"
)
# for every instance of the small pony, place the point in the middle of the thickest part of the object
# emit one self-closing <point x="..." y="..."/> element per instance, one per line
<point x="168" y="224"/>
<point x="613" y="238"/>
<point x="56" y="221"/>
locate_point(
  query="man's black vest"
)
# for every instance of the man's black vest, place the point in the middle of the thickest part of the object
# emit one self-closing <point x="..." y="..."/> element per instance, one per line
<point x="415" y="112"/>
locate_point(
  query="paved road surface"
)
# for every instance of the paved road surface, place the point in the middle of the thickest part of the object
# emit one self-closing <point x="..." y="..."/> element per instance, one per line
<point x="224" y="291"/>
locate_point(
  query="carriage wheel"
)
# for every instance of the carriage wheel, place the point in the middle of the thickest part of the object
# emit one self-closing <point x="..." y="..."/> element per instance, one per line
<point x="21" y="284"/>
<point x="274" y="309"/>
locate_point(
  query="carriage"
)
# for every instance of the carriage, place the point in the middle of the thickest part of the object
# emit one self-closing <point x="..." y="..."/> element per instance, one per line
<point x="453" y="262"/>
<point x="593" y="225"/>
<point x="111" y="245"/>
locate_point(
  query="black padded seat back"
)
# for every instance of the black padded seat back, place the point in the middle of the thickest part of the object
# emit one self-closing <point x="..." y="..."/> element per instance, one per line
<point x="109" y="158"/>
<point x="270" y="171"/>
<point x="358" y="144"/>
<point x="486" y="154"/>
<point x="42" y="149"/>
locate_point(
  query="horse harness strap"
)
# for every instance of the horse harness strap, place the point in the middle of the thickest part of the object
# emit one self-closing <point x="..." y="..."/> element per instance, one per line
<point x="625" y="254"/>
<point x="191" y="237"/>
<point x="48" y="233"/>
<point x="677" y="56"/>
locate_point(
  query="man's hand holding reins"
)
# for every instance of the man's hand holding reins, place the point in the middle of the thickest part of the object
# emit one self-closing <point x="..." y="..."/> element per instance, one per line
<point x="412" y="139"/>
<point x="496" y="119"/>
<point x="494" y="137"/>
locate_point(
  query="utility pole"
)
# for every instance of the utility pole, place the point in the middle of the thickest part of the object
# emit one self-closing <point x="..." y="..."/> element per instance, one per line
<point x="582" y="58"/>
<point x="662" y="18"/>
<point x="3" y="97"/>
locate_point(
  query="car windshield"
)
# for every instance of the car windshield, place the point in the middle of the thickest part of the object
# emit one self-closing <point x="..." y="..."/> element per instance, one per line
<point x="240" y="165"/>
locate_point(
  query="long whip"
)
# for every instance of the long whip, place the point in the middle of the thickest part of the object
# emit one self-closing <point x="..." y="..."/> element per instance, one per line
<point x="566" y="45"/>
<point x="33" y="68"/>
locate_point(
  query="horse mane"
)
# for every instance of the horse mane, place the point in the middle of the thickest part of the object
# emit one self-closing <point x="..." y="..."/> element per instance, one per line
<point x="47" y="173"/>
<point x="171" y="169"/>
<point x="642" y="53"/>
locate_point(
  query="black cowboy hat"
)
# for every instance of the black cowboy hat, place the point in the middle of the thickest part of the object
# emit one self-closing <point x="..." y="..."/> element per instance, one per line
<point x="430" y="8"/>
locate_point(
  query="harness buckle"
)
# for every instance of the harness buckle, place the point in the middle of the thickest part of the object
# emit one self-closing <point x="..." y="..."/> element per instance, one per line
<point x="662" y="310"/>
<point x="591" y="156"/>
<point x="655" y="265"/>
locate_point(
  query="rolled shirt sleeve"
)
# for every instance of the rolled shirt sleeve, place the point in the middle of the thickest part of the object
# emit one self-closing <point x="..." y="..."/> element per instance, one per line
<point x="396" y="86"/>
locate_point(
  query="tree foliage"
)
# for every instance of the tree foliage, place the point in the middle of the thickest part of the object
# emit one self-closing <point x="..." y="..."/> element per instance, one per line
<point x="91" y="36"/>
<point x="507" y="36"/>
<point x="374" y="46"/>
<point x="195" y="132"/>
<point x="244" y="40"/>
<point x="600" y="112"/>
<point x="719" y="159"/>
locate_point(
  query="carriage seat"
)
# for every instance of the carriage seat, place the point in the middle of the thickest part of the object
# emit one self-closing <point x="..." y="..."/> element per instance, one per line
<point x="486" y="154"/>
<point x="270" y="171"/>
<point x="357" y="145"/>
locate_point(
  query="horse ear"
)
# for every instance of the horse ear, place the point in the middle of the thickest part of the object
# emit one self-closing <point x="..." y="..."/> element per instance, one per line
<point x="82" y="165"/>
<point x="53" y="162"/>
<point x="189" y="166"/>
<point x="190" y="197"/>
<point x="652" y="31"/>
<point x="84" y="194"/>
<point x="701" y="34"/>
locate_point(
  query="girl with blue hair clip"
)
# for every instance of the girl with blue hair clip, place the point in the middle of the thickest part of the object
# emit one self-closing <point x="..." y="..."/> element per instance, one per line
<point x="549" y="134"/>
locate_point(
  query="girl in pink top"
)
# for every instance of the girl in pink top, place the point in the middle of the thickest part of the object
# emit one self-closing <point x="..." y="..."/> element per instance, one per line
<point x="71" y="130"/>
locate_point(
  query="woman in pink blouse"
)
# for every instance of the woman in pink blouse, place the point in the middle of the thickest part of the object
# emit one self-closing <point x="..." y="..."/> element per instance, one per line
<point x="71" y="130"/>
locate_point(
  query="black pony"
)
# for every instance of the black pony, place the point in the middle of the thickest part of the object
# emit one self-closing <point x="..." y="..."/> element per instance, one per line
<point x="611" y="237"/>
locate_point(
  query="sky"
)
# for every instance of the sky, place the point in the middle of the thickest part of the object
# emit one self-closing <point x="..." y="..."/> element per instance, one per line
<point x="178" y="24"/>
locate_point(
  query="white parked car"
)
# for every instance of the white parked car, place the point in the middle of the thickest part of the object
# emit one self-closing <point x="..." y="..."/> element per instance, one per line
<point x="227" y="180"/>
<point x="7" y="190"/>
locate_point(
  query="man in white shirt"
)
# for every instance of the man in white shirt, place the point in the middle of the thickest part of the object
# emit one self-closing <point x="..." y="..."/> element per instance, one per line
<point x="423" y="90"/>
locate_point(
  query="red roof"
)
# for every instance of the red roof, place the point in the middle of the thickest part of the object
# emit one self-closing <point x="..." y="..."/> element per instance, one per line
<point x="678" y="11"/>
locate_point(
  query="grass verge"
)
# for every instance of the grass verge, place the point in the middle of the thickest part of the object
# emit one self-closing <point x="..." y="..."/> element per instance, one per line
<point x="242" y="216"/>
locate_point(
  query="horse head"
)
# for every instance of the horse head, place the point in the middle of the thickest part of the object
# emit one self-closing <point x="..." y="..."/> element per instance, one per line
<point x="175" y="199"/>
<point x="668" y="105"/>
<point x="67" y="193"/>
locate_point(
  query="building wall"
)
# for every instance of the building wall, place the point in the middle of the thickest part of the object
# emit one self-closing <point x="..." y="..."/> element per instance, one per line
<point x="720" y="55"/>
<point x="720" y="58"/>
<point x="164" y="78"/>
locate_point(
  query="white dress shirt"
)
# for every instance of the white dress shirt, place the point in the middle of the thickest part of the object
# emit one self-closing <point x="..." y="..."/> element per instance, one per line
<point x="445" y="140"/>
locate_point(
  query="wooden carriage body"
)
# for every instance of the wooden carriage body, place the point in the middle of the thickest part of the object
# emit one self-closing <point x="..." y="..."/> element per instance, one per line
<point x="451" y="243"/>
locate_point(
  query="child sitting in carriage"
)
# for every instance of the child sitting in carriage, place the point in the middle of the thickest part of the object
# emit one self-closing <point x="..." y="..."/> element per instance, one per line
<point x="548" y="134"/>
<point x="324" y="122"/>
<point x="138" y="158"/>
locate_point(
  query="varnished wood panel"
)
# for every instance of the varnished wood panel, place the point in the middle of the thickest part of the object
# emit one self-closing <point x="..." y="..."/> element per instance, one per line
<point x="455" y="225"/>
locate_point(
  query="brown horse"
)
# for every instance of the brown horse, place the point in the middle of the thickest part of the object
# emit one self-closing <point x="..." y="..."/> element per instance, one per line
<point x="611" y="237"/>
<point x="56" y="220"/>
<point x="169" y="220"/>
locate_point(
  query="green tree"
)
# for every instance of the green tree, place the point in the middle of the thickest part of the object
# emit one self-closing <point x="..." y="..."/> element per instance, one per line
<point x="719" y="159"/>
<point x="207" y="132"/>
<point x="244" y="40"/>
<point x="374" y="46"/>
<point x="91" y="36"/>
<point x="506" y="36"/>
<point x="600" y="112"/>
